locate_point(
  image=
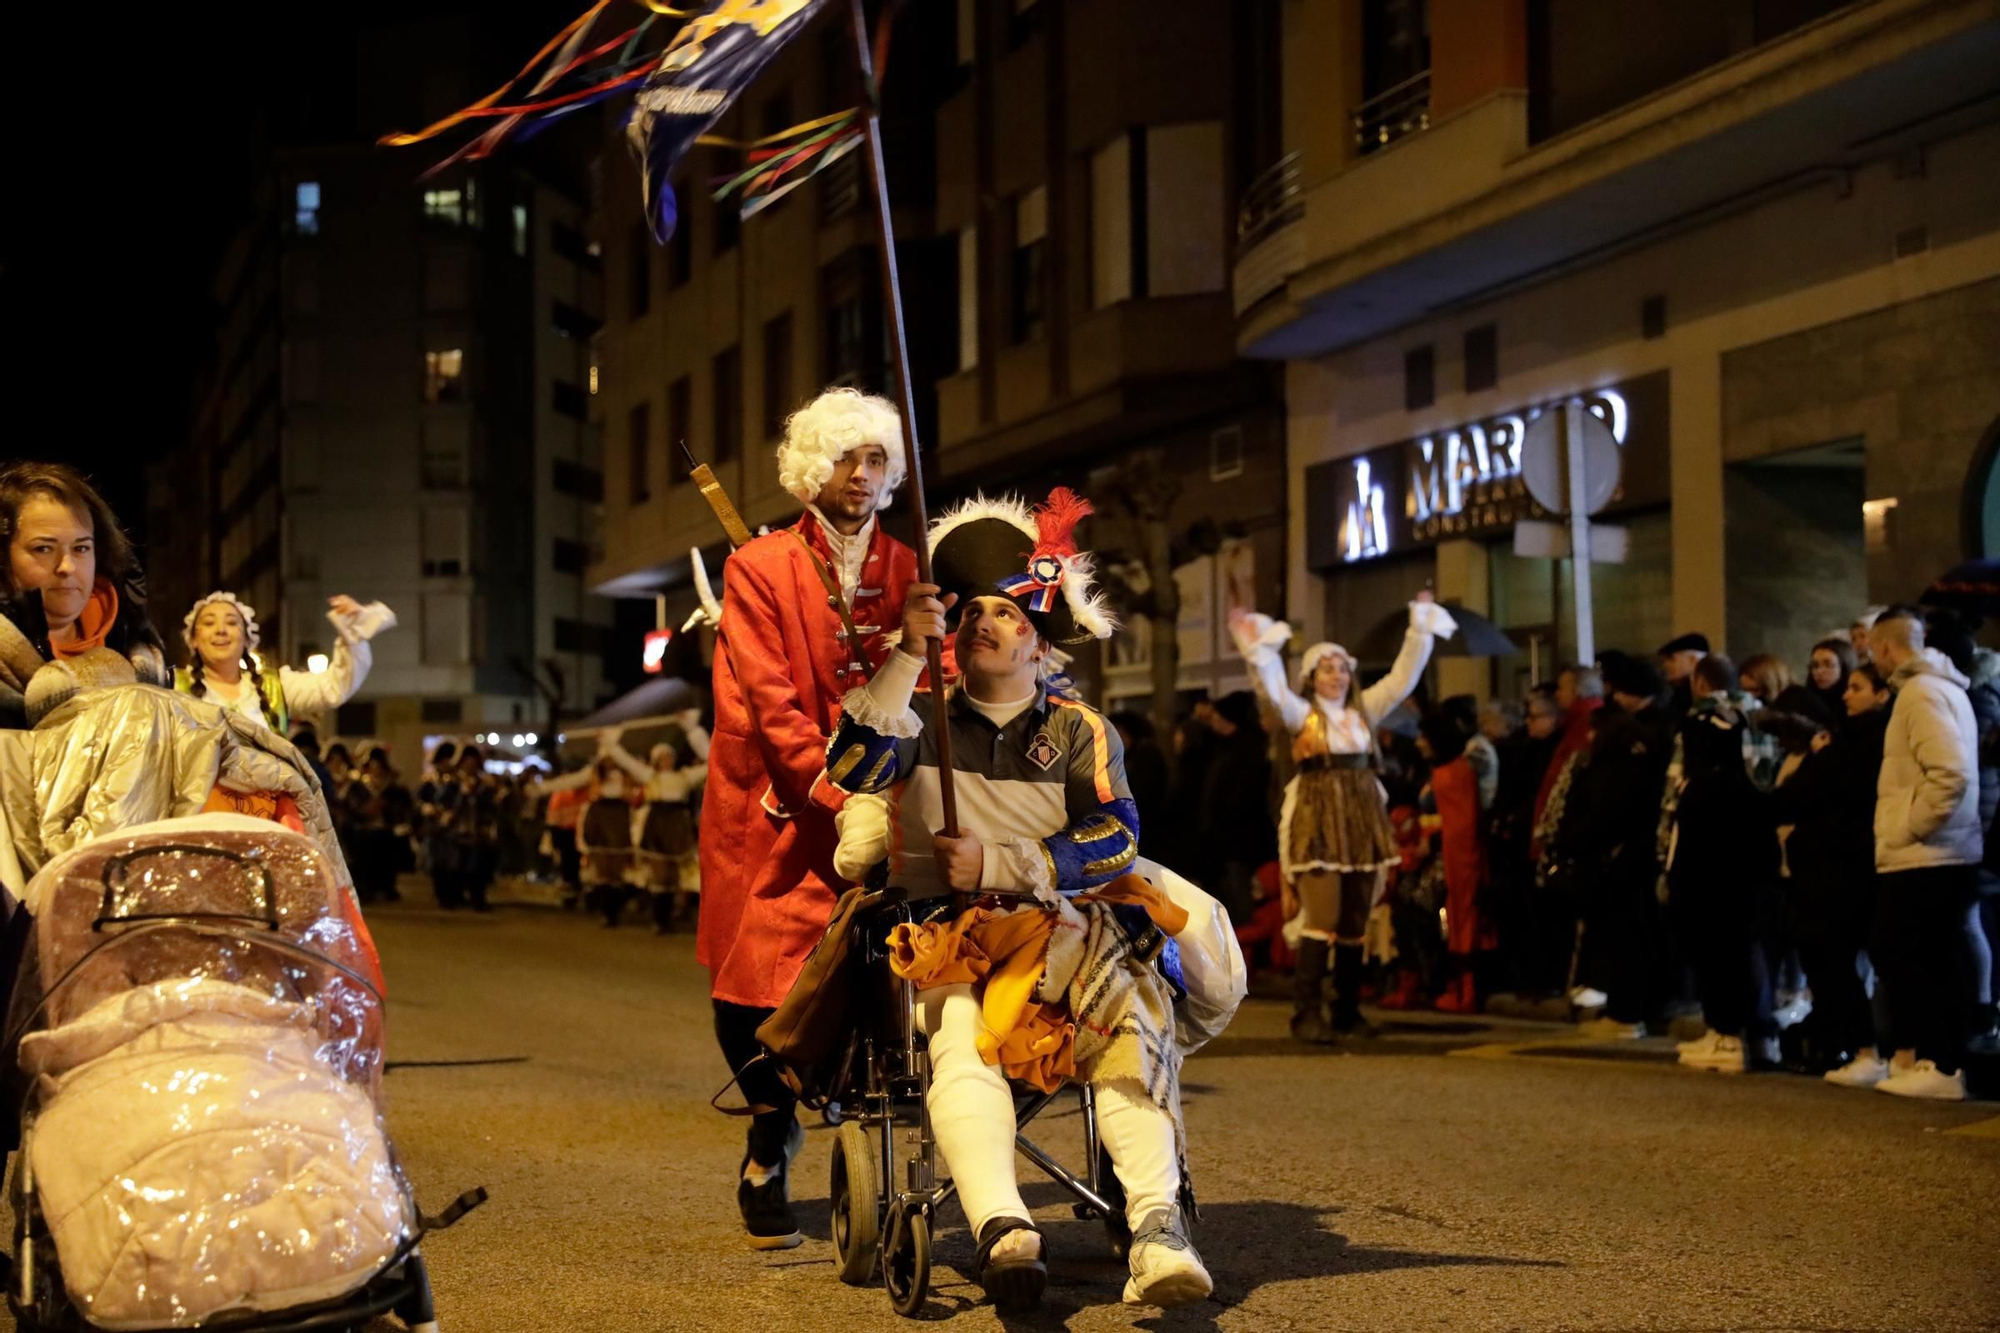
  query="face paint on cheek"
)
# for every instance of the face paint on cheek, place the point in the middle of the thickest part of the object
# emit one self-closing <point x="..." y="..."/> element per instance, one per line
<point x="1021" y="630"/>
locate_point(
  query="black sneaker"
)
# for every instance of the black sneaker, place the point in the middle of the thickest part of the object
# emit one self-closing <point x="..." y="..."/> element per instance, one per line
<point x="767" y="1213"/>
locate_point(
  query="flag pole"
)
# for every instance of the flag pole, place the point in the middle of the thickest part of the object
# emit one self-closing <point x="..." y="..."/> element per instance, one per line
<point x="892" y="303"/>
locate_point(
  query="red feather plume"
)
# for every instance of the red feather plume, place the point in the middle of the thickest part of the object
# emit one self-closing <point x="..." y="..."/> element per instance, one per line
<point x="1055" y="522"/>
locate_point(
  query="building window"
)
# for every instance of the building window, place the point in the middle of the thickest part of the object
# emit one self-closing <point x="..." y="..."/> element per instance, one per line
<point x="640" y="246"/>
<point x="1653" y="317"/>
<point x="444" y="375"/>
<point x="520" y="231"/>
<point x="727" y="373"/>
<point x="305" y="208"/>
<point x="442" y="452"/>
<point x="585" y="483"/>
<point x="1178" y="223"/>
<point x="1024" y="17"/>
<point x="680" y="414"/>
<point x="452" y="207"/>
<point x="1031" y="244"/>
<point x="570" y="556"/>
<point x="573" y="323"/>
<point x="1111" y="222"/>
<point x="639" y="446"/>
<point x="1482" y="358"/>
<point x="433" y="710"/>
<point x="445" y="543"/>
<point x="1419" y="378"/>
<point x="447" y="279"/>
<point x="967" y="34"/>
<point x="777" y="374"/>
<point x="357" y="718"/>
<point x="574" y="246"/>
<point x="680" y="246"/>
<point x="447" y="629"/>
<point x="852" y="349"/>
<point x="968" y="298"/>
<point x="568" y="400"/>
<point x="728" y="212"/>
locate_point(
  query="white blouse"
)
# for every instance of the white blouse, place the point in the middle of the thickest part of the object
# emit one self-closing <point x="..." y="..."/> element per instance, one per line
<point x="304" y="691"/>
<point x="1349" y="727"/>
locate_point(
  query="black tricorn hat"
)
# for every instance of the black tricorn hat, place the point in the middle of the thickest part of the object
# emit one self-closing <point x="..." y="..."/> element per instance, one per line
<point x="1000" y="547"/>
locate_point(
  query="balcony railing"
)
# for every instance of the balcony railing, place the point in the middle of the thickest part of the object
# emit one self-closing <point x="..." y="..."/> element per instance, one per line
<point x="1392" y="113"/>
<point x="1273" y="201"/>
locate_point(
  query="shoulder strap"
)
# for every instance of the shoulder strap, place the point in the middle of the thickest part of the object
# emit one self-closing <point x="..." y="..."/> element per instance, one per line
<point x="836" y="601"/>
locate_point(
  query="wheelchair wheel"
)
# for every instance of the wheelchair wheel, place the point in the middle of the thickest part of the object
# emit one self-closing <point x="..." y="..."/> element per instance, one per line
<point x="857" y="1204"/>
<point x="906" y="1265"/>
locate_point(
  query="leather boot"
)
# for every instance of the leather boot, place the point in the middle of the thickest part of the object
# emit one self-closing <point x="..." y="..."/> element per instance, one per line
<point x="663" y="913"/>
<point x="1460" y="996"/>
<point x="1308" y="993"/>
<point x="1347" y="1020"/>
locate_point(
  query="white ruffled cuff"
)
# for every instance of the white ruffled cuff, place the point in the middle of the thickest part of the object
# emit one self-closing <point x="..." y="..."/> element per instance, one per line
<point x="1029" y="865"/>
<point x="1430" y="618"/>
<point x="865" y="710"/>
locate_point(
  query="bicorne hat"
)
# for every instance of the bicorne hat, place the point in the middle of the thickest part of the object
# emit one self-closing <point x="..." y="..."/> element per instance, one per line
<point x="988" y="547"/>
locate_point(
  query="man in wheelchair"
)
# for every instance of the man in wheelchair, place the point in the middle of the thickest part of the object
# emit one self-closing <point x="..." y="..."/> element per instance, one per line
<point x="1053" y="971"/>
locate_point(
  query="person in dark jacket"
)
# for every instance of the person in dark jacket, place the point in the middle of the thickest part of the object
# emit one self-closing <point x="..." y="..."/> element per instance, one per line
<point x="1831" y="664"/>
<point x="1721" y="864"/>
<point x="1830" y="889"/>
<point x="1611" y="819"/>
<point x="1146" y="771"/>
<point x="1678" y="658"/>
<point x="1235" y="820"/>
<point x="1534" y="940"/>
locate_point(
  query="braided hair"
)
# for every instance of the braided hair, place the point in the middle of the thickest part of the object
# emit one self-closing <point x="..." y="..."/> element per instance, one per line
<point x="253" y="677"/>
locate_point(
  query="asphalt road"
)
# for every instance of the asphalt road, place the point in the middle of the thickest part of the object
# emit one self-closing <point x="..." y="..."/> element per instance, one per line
<point x="1481" y="1175"/>
<point x="1462" y="1176"/>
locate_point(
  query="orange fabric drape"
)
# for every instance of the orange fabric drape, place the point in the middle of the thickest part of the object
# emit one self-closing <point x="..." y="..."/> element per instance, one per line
<point x="1006" y="952"/>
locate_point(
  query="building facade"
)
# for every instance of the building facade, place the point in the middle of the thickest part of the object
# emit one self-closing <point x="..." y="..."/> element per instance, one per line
<point x="1762" y="246"/>
<point x="400" y="412"/>
<point x="1067" y="178"/>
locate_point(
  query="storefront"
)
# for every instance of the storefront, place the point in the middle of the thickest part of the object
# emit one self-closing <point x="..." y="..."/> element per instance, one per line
<point x="1439" y="509"/>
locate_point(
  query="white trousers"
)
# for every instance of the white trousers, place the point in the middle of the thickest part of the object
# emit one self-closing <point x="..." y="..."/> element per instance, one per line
<point x="972" y="1115"/>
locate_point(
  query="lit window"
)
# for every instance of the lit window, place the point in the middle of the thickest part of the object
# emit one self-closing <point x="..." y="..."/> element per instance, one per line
<point x="444" y="376"/>
<point x="305" y="208"/>
<point x="521" y="230"/>
<point x="1031" y="235"/>
<point x="593" y="379"/>
<point x="445" y="206"/>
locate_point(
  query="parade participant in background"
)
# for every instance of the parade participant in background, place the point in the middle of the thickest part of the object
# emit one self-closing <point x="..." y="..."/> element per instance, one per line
<point x="69" y="587"/>
<point x="1045" y="815"/>
<point x="667" y="863"/>
<point x="380" y="812"/>
<point x="461" y="831"/>
<point x="807" y="612"/>
<point x="1334" y="838"/>
<point x="1451" y="799"/>
<point x="221" y="634"/>
<point x="604" y="838"/>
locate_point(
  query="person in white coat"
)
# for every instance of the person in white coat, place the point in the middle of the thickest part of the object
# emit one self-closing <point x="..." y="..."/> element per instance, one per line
<point x="1334" y="837"/>
<point x="1928" y="843"/>
<point x="222" y="635"/>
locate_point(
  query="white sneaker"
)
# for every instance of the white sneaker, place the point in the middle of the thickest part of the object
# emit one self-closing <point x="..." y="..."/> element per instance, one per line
<point x="1166" y="1270"/>
<point x="1725" y="1057"/>
<point x="1701" y="1045"/>
<point x="1794" y="1011"/>
<point x="1865" y="1070"/>
<point x="1610" y="1029"/>
<point x="1588" y="997"/>
<point x="1927" y="1082"/>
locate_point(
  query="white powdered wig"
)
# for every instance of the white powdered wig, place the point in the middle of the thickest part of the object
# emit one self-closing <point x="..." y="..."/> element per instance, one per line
<point x="827" y="429"/>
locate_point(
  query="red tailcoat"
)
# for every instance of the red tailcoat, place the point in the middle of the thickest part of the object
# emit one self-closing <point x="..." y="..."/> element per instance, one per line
<point x="767" y="836"/>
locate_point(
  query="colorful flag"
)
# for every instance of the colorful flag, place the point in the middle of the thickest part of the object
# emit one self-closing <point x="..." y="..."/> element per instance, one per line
<point x="712" y="58"/>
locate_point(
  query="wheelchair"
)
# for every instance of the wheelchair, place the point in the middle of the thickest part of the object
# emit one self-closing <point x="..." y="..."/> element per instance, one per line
<point x="885" y="1192"/>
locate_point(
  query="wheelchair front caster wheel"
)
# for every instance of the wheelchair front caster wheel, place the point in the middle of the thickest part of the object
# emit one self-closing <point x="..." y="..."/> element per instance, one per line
<point x="857" y="1205"/>
<point x="906" y="1264"/>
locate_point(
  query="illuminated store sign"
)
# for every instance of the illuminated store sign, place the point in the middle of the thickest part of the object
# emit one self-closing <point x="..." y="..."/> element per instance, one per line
<point x="1466" y="481"/>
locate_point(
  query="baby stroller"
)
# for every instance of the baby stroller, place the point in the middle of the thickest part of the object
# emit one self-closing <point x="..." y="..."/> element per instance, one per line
<point x="198" y="1030"/>
<point x="886" y="1197"/>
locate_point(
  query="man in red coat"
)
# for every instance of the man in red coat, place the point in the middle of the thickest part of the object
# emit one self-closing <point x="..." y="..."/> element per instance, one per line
<point x="783" y="661"/>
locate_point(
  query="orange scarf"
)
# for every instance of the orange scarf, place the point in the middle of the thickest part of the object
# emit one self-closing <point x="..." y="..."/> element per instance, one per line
<point x="100" y="613"/>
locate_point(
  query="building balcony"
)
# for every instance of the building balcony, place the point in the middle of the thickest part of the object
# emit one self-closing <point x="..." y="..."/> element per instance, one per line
<point x="1470" y="207"/>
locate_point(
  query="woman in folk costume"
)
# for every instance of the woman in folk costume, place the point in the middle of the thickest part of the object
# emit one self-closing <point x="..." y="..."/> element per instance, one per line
<point x="1053" y="975"/>
<point x="604" y="836"/>
<point x="222" y="635"/>
<point x="1334" y="838"/>
<point x="667" y="862"/>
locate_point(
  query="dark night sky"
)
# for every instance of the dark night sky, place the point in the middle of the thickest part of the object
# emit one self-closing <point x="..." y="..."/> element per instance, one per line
<point x="125" y="155"/>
